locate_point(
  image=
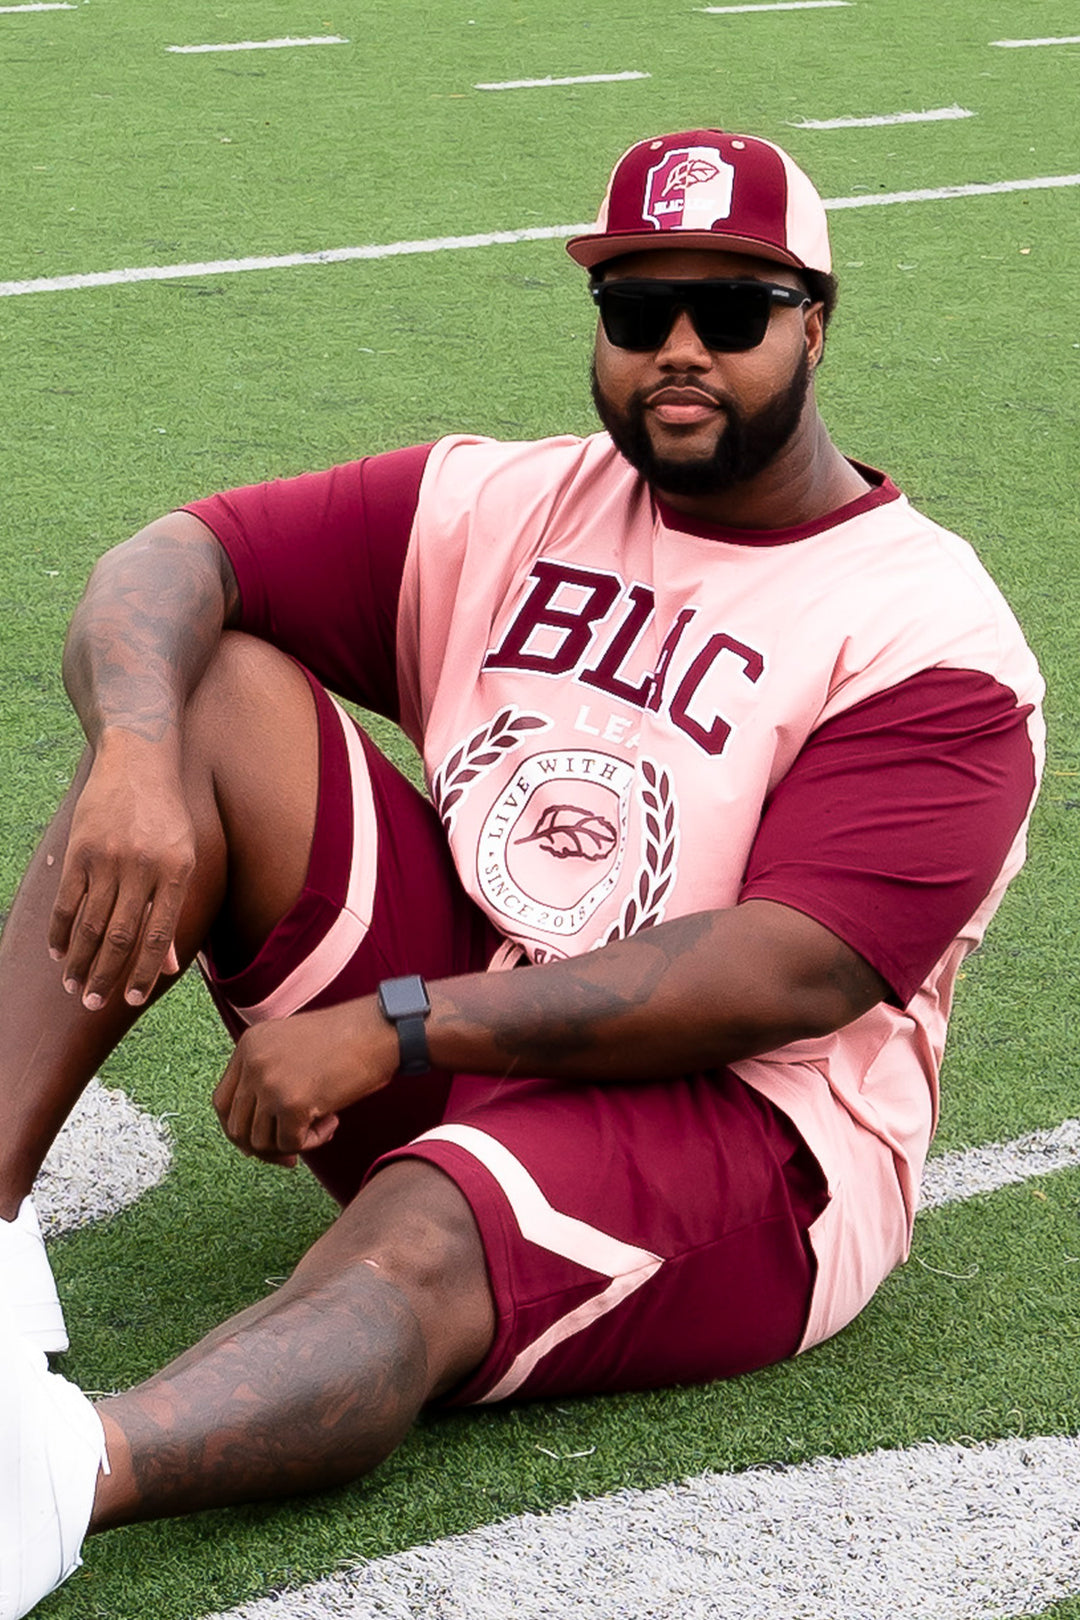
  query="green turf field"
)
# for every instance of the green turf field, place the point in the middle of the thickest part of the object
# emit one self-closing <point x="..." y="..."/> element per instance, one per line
<point x="953" y="363"/>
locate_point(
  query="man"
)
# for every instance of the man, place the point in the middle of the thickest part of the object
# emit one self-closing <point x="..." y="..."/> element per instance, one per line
<point x="731" y="755"/>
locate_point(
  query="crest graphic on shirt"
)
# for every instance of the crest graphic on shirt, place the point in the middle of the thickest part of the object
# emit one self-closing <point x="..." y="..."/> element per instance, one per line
<point x="552" y="844"/>
<point x="481" y="751"/>
<point x="689" y="190"/>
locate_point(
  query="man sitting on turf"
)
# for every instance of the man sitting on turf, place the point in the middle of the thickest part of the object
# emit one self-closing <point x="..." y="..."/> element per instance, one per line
<point x="619" y="1051"/>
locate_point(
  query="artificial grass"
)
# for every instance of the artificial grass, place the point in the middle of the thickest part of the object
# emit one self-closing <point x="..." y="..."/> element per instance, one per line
<point x="952" y="364"/>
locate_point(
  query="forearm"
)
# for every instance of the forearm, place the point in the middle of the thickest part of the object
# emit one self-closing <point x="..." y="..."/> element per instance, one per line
<point x="145" y="630"/>
<point x="695" y="993"/>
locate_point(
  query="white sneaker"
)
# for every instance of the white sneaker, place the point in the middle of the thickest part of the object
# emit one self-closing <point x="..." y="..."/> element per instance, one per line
<point x="28" y="1296"/>
<point x="52" y="1446"/>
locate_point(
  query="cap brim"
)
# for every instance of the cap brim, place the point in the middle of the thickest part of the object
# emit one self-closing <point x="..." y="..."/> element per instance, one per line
<point x="595" y="248"/>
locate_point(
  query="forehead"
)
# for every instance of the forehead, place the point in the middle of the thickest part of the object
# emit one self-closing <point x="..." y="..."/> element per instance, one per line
<point x="696" y="264"/>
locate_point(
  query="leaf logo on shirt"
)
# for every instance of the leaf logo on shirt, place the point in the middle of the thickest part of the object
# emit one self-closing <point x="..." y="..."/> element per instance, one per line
<point x="567" y="832"/>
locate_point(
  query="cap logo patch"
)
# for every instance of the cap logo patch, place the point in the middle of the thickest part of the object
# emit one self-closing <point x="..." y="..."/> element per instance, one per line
<point x="690" y="190"/>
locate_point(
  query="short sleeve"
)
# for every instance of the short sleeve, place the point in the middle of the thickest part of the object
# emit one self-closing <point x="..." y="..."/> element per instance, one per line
<point x="319" y="561"/>
<point x="897" y="816"/>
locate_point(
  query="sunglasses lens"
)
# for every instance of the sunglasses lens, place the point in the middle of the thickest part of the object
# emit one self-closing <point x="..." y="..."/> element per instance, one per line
<point x="728" y="316"/>
<point x="636" y="317"/>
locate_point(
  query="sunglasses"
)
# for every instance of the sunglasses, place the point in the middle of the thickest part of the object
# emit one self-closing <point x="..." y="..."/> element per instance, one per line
<point x="730" y="316"/>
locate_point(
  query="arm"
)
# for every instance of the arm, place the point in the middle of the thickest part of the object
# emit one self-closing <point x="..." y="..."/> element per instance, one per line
<point x="139" y="642"/>
<point x="695" y="993"/>
<point x="887" y="834"/>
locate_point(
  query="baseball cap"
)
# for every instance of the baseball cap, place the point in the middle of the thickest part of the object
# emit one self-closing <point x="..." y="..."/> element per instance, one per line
<point x="710" y="189"/>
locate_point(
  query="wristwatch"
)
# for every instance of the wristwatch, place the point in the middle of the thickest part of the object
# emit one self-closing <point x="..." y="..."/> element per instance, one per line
<point x="404" y="1003"/>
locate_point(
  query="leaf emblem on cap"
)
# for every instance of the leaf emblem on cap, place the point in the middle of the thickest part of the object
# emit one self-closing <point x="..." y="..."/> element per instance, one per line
<point x="693" y="172"/>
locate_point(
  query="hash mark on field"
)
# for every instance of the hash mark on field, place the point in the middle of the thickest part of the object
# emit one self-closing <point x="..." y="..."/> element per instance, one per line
<point x="778" y="5"/>
<point x="257" y="45"/>
<point x="937" y="115"/>
<point x="581" y="78"/>
<point x="1018" y="44"/>
<point x="446" y="244"/>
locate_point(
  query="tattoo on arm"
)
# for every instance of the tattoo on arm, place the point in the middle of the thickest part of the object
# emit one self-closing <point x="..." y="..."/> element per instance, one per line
<point x="144" y="632"/>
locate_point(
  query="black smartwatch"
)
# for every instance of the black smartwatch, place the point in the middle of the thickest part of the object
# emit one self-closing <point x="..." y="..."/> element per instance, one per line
<point x="404" y="1003"/>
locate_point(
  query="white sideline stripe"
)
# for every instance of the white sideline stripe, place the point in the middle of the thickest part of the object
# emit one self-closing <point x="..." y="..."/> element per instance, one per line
<point x="970" y="1171"/>
<point x="1019" y="44"/>
<point x="257" y="45"/>
<point x="936" y="116"/>
<point x="581" y="78"/>
<point x="934" y="1532"/>
<point x="447" y="244"/>
<point x="778" y="5"/>
<point x="43" y="5"/>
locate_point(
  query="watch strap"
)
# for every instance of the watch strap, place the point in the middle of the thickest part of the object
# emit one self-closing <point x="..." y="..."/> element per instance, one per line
<point x="404" y="1003"/>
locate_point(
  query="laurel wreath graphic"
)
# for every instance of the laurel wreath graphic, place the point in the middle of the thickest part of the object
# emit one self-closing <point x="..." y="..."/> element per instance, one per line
<point x="645" y="906"/>
<point x="473" y="758"/>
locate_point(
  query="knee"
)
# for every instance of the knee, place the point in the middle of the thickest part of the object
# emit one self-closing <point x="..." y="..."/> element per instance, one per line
<point x="244" y="677"/>
<point x="413" y="1230"/>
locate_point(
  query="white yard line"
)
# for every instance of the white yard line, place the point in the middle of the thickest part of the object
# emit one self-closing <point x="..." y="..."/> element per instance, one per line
<point x="936" y="116"/>
<point x="42" y="5"/>
<point x="931" y="1533"/>
<point x="257" y="45"/>
<point x="1021" y="44"/>
<point x="950" y="1177"/>
<point x="777" y="5"/>
<point x="581" y="78"/>
<point x="446" y="244"/>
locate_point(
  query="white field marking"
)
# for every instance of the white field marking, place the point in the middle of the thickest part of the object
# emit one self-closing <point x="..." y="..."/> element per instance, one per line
<point x="257" y="45"/>
<point x="43" y="5"/>
<point x="581" y="78"/>
<point x="107" y="1156"/>
<point x="934" y="1532"/>
<point x="936" y="116"/>
<point x="446" y="244"/>
<point x="778" y="5"/>
<point x="964" y="1174"/>
<point x="1020" y="44"/>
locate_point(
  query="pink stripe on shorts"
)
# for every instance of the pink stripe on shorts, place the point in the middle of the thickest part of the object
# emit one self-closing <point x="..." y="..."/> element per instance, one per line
<point x="636" y="1235"/>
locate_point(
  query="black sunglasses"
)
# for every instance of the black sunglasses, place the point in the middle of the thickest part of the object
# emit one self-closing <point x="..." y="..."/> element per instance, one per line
<point x="729" y="315"/>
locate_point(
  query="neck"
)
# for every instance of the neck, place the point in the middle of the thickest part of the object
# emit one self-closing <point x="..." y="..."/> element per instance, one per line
<point x="807" y="480"/>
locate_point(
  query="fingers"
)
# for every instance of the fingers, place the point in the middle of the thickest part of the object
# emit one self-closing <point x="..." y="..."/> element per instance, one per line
<point x="259" y="1119"/>
<point x="111" y="929"/>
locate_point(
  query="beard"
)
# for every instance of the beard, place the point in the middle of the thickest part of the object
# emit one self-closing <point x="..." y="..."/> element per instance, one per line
<point x="744" y="447"/>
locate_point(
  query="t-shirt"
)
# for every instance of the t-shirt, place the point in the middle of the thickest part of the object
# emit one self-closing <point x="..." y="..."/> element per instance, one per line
<point x="625" y="716"/>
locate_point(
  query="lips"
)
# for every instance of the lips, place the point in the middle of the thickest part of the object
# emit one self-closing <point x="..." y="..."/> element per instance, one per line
<point x="682" y="407"/>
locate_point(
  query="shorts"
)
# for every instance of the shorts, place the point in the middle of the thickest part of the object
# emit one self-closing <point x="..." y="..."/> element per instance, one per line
<point x="636" y="1235"/>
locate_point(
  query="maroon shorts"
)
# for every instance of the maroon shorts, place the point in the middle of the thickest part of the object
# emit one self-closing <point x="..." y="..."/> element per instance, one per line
<point x="636" y="1235"/>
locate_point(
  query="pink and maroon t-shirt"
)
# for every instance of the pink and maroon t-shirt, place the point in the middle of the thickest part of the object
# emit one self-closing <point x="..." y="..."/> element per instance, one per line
<point x="625" y="716"/>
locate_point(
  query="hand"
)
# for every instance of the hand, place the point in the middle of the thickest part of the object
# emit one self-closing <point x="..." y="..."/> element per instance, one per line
<point x="289" y="1078"/>
<point x="129" y="860"/>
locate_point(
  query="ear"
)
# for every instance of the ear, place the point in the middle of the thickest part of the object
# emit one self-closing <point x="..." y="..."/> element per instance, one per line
<point x="814" y="327"/>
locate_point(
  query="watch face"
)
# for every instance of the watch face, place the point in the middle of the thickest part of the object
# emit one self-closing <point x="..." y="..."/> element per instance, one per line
<point x="404" y="998"/>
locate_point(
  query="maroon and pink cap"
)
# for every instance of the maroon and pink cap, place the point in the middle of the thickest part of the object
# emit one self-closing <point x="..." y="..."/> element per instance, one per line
<point x="709" y="189"/>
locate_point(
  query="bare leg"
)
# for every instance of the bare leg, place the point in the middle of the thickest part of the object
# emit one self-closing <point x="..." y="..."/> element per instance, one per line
<point x="318" y="1383"/>
<point x="251" y="759"/>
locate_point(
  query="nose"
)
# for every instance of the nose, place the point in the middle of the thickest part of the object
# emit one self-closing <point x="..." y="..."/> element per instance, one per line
<point x="683" y="349"/>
